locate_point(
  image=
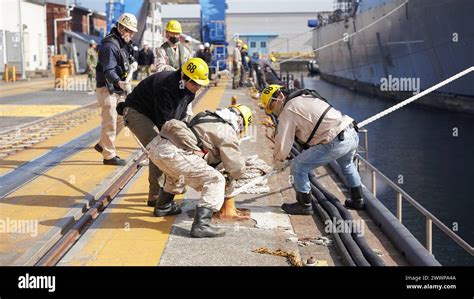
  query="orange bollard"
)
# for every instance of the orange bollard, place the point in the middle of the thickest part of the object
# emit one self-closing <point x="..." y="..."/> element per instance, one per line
<point x="230" y="213"/>
<point x="13" y="73"/>
<point x="6" y="72"/>
<point x="233" y="101"/>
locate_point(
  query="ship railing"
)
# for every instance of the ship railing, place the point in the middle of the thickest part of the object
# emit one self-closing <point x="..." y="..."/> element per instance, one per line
<point x="401" y="195"/>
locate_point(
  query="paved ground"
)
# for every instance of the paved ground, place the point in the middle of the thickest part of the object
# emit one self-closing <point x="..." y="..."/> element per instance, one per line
<point x="26" y="101"/>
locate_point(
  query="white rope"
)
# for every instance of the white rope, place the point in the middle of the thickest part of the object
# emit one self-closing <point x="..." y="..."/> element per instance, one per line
<point x="415" y="97"/>
<point x="350" y="35"/>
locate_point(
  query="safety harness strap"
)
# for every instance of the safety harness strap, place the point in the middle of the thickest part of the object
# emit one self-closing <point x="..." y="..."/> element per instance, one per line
<point x="198" y="119"/>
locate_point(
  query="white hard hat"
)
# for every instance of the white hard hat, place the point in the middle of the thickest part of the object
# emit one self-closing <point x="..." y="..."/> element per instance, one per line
<point x="145" y="43"/>
<point x="129" y="21"/>
<point x="201" y="47"/>
<point x="92" y="42"/>
<point x="135" y="48"/>
<point x="207" y="45"/>
<point x="188" y="38"/>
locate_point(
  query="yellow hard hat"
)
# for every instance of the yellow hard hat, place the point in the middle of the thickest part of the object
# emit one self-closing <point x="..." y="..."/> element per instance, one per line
<point x="272" y="58"/>
<point x="129" y="21"/>
<point x="245" y="112"/>
<point x="174" y="27"/>
<point x="245" y="47"/>
<point x="197" y="70"/>
<point x="239" y="42"/>
<point x="267" y="96"/>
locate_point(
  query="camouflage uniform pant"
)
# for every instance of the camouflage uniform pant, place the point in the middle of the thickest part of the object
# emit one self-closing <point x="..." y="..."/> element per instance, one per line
<point x="184" y="168"/>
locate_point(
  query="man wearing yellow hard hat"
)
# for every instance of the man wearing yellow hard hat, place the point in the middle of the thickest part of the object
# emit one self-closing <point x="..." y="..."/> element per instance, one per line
<point x="158" y="98"/>
<point x="325" y="134"/>
<point x="207" y="139"/>
<point x="172" y="54"/>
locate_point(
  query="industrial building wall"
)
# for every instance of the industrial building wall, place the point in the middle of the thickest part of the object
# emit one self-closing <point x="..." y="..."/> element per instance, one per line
<point x="35" y="37"/>
<point x="286" y="25"/>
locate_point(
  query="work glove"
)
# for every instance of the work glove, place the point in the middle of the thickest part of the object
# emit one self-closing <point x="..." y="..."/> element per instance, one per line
<point x="125" y="86"/>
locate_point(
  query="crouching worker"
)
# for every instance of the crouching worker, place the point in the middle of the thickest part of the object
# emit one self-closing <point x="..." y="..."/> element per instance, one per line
<point x="158" y="98"/>
<point x="188" y="152"/>
<point x="325" y="134"/>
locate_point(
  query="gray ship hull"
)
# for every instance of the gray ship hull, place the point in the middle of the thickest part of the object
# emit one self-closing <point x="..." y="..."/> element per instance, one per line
<point x="421" y="43"/>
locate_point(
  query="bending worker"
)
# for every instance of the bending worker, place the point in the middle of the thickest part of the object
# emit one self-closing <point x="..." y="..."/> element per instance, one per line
<point x="324" y="132"/>
<point x="115" y="57"/>
<point x="172" y="54"/>
<point x="157" y="99"/>
<point x="187" y="152"/>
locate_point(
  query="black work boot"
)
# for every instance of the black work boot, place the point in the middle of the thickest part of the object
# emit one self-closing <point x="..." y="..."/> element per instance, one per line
<point x="356" y="201"/>
<point x="202" y="227"/>
<point x="115" y="161"/>
<point x="165" y="205"/>
<point x="303" y="205"/>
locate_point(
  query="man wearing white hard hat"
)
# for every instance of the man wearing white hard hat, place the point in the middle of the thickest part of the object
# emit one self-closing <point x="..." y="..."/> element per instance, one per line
<point x="115" y="58"/>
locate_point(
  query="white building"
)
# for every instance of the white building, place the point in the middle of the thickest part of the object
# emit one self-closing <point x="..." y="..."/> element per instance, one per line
<point x="273" y="25"/>
<point x="33" y="19"/>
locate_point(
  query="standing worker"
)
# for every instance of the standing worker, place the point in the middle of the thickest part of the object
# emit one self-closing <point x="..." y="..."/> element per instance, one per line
<point x="91" y="61"/>
<point x="172" y="54"/>
<point x="245" y="65"/>
<point x="325" y="134"/>
<point x="185" y="151"/>
<point x="237" y="64"/>
<point x="146" y="59"/>
<point x="160" y="97"/>
<point x="115" y="57"/>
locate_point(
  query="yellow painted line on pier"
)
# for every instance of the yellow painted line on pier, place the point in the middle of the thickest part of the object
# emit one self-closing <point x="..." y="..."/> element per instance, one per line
<point x="48" y="198"/>
<point x="34" y="110"/>
<point x="13" y="161"/>
<point x="127" y="235"/>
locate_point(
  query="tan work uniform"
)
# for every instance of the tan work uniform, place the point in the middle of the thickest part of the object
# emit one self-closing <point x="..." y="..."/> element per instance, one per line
<point x="171" y="59"/>
<point x="176" y="153"/>
<point x="298" y="118"/>
<point x="237" y="67"/>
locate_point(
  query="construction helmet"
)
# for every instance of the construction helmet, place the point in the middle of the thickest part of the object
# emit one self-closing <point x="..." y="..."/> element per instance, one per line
<point x="245" y="112"/>
<point x="128" y="21"/>
<point x="245" y="47"/>
<point x="267" y="96"/>
<point x="174" y="27"/>
<point x="197" y="70"/>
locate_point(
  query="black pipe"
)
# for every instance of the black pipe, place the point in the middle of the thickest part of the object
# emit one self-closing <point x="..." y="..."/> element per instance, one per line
<point x="415" y="253"/>
<point x="369" y="254"/>
<point x="349" y="244"/>
<point x="345" y="255"/>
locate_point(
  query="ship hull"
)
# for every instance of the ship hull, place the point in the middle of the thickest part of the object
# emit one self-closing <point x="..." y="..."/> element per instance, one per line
<point x="423" y="42"/>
